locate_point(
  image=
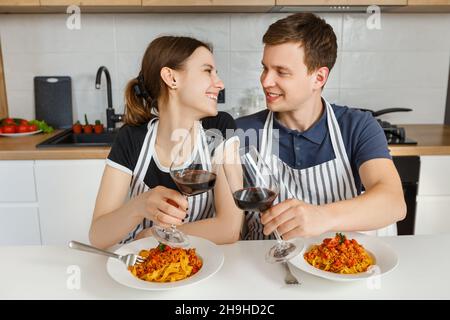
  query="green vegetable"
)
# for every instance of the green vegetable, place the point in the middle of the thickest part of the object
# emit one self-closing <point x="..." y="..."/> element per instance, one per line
<point x="85" y="119"/>
<point x="341" y="237"/>
<point x="97" y="122"/>
<point x="42" y="125"/>
<point x="161" y="247"/>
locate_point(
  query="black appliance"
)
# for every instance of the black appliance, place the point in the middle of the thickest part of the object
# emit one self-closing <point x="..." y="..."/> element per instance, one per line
<point x="408" y="168"/>
<point x="394" y="133"/>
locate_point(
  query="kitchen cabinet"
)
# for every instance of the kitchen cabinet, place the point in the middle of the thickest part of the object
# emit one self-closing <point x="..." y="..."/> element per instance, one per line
<point x="429" y="2"/>
<point x="19" y="3"/>
<point x="339" y="2"/>
<point x="19" y="225"/>
<point x="66" y="192"/>
<point x="98" y="3"/>
<point x="19" y="215"/>
<point x="433" y="199"/>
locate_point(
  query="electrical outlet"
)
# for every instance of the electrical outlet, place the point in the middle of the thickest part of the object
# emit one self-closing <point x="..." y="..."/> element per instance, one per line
<point x="221" y="96"/>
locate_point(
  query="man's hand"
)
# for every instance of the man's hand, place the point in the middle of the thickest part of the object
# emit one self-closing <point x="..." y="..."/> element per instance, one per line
<point x="294" y="218"/>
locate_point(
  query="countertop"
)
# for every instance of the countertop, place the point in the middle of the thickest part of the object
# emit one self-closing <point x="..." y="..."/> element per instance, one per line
<point x="42" y="272"/>
<point x="432" y="140"/>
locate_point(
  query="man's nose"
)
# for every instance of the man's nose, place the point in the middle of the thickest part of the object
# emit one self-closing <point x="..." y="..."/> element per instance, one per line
<point x="267" y="80"/>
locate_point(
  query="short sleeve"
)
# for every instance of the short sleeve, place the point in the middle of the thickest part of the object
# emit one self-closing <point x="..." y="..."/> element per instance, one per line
<point x="371" y="141"/>
<point x="223" y="122"/>
<point x="125" y="149"/>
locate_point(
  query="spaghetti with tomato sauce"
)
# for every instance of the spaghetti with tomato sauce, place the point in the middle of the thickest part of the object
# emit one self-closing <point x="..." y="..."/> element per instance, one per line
<point x="166" y="264"/>
<point x="339" y="255"/>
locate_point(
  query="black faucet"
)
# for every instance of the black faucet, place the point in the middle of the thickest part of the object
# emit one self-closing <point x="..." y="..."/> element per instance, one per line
<point x="111" y="116"/>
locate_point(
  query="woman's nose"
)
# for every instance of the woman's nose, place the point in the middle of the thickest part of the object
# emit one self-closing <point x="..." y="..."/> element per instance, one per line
<point x="219" y="84"/>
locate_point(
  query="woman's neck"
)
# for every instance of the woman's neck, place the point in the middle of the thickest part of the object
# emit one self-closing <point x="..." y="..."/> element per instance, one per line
<point x="172" y="128"/>
<point x="304" y="116"/>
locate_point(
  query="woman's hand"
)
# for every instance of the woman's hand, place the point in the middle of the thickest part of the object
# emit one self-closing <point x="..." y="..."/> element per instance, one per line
<point x="294" y="218"/>
<point x="163" y="206"/>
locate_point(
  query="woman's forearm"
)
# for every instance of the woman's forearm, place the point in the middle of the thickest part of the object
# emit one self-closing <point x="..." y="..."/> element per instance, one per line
<point x="378" y="207"/>
<point x="218" y="230"/>
<point x="112" y="227"/>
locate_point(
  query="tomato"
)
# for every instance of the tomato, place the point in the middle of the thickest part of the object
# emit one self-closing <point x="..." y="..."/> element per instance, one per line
<point x="1" y="129"/>
<point x="23" y="122"/>
<point x="9" y="129"/>
<point x="77" y="128"/>
<point x="98" y="128"/>
<point x="32" y="127"/>
<point x="9" y="121"/>
<point x="22" y="128"/>
<point x="87" y="128"/>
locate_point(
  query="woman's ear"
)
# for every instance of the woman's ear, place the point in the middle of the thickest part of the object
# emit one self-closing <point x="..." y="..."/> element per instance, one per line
<point x="168" y="76"/>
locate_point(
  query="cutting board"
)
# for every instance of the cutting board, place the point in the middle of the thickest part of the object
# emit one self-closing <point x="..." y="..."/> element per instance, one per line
<point x="53" y="100"/>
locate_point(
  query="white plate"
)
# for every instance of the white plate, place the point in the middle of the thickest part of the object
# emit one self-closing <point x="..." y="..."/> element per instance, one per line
<point x="22" y="134"/>
<point x="385" y="257"/>
<point x="211" y="255"/>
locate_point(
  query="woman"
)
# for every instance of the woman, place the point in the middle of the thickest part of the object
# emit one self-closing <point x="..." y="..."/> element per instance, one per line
<point x="178" y="81"/>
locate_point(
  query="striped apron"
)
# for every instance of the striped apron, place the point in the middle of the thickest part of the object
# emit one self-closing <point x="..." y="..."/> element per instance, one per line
<point x="201" y="206"/>
<point x="324" y="183"/>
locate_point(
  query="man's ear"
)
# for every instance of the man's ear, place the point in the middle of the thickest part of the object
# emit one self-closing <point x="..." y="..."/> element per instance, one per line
<point x="321" y="77"/>
<point x="168" y="76"/>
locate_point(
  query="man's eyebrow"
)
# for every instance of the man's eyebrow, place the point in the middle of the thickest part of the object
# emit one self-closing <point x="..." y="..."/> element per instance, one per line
<point x="277" y="67"/>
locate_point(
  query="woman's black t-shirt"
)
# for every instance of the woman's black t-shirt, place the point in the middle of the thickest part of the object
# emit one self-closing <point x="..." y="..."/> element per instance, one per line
<point x="127" y="146"/>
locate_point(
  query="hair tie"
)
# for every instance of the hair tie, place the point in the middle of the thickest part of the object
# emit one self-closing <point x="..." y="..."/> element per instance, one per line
<point x="140" y="90"/>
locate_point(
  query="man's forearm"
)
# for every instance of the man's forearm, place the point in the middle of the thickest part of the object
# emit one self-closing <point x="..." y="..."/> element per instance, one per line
<point x="378" y="207"/>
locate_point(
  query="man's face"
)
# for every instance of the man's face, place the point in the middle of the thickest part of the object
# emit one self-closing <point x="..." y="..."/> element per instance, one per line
<point x="285" y="79"/>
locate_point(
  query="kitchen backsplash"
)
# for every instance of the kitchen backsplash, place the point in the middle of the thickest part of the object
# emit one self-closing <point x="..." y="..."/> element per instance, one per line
<point x="403" y="64"/>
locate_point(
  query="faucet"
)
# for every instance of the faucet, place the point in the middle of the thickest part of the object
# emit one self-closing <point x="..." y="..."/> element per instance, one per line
<point x="111" y="116"/>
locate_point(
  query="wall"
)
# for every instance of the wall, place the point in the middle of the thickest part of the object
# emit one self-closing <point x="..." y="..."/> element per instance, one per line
<point x="405" y="64"/>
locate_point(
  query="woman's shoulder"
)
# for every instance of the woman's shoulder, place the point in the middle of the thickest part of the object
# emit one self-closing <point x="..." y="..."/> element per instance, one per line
<point x="223" y="121"/>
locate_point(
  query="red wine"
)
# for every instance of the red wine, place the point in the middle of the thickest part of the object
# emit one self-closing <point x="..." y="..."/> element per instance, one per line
<point x="193" y="182"/>
<point x="254" y="199"/>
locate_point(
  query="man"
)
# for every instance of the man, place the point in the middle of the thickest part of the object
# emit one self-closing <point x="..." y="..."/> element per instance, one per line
<point x="326" y="153"/>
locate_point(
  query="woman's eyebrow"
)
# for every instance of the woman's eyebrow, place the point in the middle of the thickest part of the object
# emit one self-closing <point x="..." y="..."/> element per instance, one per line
<point x="208" y="65"/>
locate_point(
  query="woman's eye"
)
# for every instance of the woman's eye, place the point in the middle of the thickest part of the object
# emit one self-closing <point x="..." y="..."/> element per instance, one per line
<point x="208" y="70"/>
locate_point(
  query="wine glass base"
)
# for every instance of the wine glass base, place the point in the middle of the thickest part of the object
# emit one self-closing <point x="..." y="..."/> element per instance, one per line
<point x="170" y="237"/>
<point x="282" y="252"/>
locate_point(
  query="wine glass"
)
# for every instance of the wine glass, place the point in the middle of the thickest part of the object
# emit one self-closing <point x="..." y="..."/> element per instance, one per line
<point x="193" y="170"/>
<point x="255" y="188"/>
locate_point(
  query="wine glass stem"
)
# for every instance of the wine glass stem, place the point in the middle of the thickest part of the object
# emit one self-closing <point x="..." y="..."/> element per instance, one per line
<point x="279" y="239"/>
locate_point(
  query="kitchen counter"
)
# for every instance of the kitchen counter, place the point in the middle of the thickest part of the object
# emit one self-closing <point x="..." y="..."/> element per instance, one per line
<point x="432" y="140"/>
<point x="35" y="272"/>
<point x="24" y="148"/>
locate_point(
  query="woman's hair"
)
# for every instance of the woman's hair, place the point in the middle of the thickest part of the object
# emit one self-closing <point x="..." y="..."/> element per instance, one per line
<point x="142" y="93"/>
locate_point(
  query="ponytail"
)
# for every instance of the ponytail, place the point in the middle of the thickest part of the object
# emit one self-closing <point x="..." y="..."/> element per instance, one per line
<point x="137" y="105"/>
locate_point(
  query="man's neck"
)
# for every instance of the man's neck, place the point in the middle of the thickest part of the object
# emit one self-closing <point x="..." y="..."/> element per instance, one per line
<point x="304" y="116"/>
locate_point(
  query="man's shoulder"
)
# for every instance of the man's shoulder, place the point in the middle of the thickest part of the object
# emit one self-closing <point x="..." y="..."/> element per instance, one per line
<point x="252" y="121"/>
<point x="347" y="116"/>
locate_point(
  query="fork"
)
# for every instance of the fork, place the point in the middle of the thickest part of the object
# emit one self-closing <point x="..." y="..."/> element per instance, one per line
<point x="289" y="278"/>
<point x="129" y="259"/>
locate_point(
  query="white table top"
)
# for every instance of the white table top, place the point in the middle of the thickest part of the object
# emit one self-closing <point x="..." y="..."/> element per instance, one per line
<point x="34" y="272"/>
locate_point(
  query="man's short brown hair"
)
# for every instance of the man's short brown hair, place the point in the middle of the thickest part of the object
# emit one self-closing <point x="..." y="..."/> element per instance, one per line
<point x="315" y="35"/>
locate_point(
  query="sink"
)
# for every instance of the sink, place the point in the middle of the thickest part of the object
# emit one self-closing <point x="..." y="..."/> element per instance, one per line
<point x="68" y="138"/>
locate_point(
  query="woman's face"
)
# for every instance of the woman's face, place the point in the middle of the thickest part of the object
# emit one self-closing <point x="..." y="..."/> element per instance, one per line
<point x="198" y="84"/>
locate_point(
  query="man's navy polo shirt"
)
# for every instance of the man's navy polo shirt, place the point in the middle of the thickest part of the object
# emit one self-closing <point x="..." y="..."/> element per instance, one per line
<point x="363" y="137"/>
